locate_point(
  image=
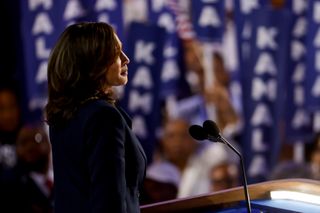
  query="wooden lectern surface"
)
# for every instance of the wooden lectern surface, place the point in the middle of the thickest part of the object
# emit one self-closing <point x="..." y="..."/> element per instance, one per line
<point x="226" y="197"/>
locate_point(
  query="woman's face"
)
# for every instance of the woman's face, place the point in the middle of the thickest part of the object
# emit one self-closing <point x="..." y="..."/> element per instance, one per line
<point x="117" y="74"/>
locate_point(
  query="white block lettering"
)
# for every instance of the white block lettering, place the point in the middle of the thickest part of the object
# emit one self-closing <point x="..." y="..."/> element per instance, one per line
<point x="33" y="4"/>
<point x="166" y="21"/>
<point x="138" y="101"/>
<point x="300" y="27"/>
<point x="170" y="71"/>
<point x="105" y="5"/>
<point x="257" y="141"/>
<point x="261" y="116"/>
<point x="315" y="91"/>
<point x="139" y="126"/>
<point x="258" y="166"/>
<point x="298" y="95"/>
<point x="143" y="78"/>
<point x="261" y="88"/>
<point x="265" y="64"/>
<point x="209" y="17"/>
<point x="297" y="50"/>
<point x="73" y="10"/>
<point x="41" y="51"/>
<point x="42" y="72"/>
<point x="248" y="5"/>
<point x="143" y="52"/>
<point x="266" y="37"/>
<point x="300" y="118"/>
<point x="299" y="73"/>
<point x="42" y="24"/>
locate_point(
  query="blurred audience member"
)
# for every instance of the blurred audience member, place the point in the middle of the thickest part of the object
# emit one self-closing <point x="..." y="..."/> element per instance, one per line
<point x="191" y="158"/>
<point x="224" y="175"/>
<point x="178" y="146"/>
<point x="287" y="168"/>
<point x="313" y="157"/>
<point x="192" y="54"/>
<point x="290" y="169"/>
<point x="161" y="182"/>
<point x="28" y="186"/>
<point x="315" y="165"/>
<point x="218" y="96"/>
<point x="9" y="125"/>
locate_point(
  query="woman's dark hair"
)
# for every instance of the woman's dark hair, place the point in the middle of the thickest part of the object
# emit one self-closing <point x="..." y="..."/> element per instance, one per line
<point x="77" y="68"/>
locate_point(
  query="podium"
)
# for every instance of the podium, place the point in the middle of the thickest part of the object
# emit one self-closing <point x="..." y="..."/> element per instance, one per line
<point x="233" y="200"/>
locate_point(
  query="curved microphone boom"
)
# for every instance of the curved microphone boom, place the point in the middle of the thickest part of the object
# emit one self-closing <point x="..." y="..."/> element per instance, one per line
<point x="211" y="128"/>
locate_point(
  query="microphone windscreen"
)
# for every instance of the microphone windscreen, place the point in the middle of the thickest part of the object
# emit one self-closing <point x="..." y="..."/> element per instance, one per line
<point x="197" y="132"/>
<point x="211" y="128"/>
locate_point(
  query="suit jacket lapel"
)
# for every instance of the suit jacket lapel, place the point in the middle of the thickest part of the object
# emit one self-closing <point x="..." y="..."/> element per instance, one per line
<point x="125" y="116"/>
<point x="129" y="123"/>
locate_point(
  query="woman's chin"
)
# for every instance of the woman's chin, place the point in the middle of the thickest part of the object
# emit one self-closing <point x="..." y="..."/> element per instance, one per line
<point x="123" y="81"/>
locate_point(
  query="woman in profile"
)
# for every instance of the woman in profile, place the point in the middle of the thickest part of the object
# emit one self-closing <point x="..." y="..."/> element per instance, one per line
<point x="98" y="162"/>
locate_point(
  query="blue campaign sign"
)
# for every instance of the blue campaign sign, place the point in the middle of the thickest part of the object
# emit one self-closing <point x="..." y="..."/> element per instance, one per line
<point x="40" y="29"/>
<point x="243" y="11"/>
<point x="108" y="11"/>
<point x="173" y="83"/>
<point x="243" y="17"/>
<point x="208" y="19"/>
<point x="263" y="93"/>
<point x="162" y="14"/>
<point x="298" y="118"/>
<point x="142" y="98"/>
<point x="313" y="55"/>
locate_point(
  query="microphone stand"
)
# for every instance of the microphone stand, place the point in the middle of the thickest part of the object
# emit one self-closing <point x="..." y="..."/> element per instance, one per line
<point x="245" y="184"/>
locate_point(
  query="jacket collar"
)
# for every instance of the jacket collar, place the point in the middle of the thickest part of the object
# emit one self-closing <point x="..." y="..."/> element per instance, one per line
<point x="126" y="117"/>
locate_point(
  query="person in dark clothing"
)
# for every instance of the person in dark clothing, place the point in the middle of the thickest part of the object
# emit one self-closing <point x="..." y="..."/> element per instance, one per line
<point x="10" y="124"/>
<point x="27" y="187"/>
<point x="99" y="164"/>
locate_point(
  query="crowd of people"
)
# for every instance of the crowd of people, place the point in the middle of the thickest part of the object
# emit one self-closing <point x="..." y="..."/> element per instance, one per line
<point x="181" y="166"/>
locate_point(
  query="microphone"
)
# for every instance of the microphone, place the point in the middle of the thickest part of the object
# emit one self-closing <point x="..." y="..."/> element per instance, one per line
<point x="198" y="133"/>
<point x="211" y="129"/>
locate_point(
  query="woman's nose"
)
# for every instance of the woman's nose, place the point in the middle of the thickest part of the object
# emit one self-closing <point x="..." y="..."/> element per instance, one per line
<point x="124" y="58"/>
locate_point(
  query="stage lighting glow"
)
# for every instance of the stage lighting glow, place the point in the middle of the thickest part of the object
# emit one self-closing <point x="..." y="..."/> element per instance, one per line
<point x="296" y="196"/>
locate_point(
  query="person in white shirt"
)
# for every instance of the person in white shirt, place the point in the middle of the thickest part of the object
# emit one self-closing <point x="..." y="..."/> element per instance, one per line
<point x="191" y="158"/>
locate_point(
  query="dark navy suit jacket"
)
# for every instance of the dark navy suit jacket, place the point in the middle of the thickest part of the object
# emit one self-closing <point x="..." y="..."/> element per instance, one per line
<point x="98" y="162"/>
